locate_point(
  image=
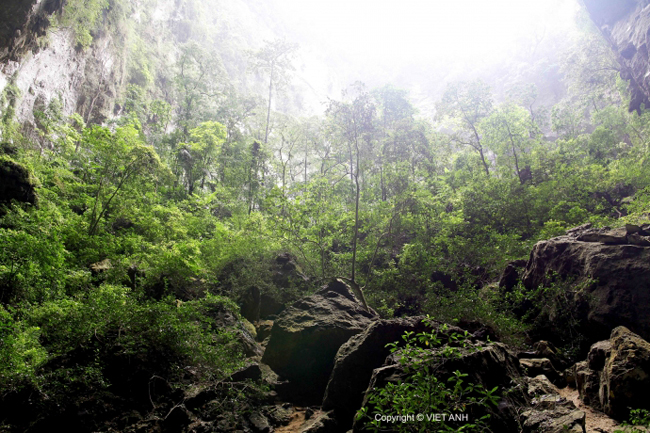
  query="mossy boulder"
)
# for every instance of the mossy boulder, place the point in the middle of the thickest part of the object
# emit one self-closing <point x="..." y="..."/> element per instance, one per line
<point x="16" y="183"/>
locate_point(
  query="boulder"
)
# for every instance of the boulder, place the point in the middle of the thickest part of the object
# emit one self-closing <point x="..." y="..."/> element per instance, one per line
<point x="511" y="274"/>
<point x="250" y="304"/>
<point x="604" y="235"/>
<point x="15" y="183"/>
<point x="264" y="329"/>
<point x="550" y="412"/>
<point x="490" y="365"/>
<point x="306" y="336"/>
<point x="222" y="318"/>
<point x="587" y="382"/>
<point x="616" y="375"/>
<point x="560" y="419"/>
<point x="607" y="285"/>
<point x="287" y="273"/>
<point x="625" y="379"/>
<point x="540" y="385"/>
<point x="536" y="366"/>
<point x="259" y="423"/>
<point x="545" y="349"/>
<point x="250" y="372"/>
<point x="359" y="356"/>
<point x="598" y="355"/>
<point x="286" y="280"/>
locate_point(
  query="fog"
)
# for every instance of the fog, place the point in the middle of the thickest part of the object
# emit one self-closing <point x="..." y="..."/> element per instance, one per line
<point x="422" y="44"/>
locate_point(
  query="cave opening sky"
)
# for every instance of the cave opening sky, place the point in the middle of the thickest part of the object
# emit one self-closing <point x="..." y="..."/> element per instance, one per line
<point x="408" y="42"/>
<point x="447" y="30"/>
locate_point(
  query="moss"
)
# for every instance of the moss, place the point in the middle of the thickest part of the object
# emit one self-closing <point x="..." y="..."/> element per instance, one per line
<point x="16" y="182"/>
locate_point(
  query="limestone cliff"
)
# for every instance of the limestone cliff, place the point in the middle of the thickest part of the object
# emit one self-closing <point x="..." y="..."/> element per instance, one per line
<point x="626" y="26"/>
<point x="45" y="64"/>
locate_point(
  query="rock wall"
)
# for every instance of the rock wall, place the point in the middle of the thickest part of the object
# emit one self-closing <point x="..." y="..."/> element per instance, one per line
<point x="45" y="64"/>
<point x="22" y="22"/>
<point x="625" y="24"/>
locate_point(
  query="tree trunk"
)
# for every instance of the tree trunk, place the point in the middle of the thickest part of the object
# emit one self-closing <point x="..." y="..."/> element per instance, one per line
<point x="268" y="111"/>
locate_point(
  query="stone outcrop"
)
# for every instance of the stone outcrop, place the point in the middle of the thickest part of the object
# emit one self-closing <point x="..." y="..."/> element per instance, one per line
<point x="616" y="375"/>
<point x="306" y="337"/>
<point x="490" y="365"/>
<point x="224" y="318"/>
<point x="548" y="411"/>
<point x="541" y="366"/>
<point x="625" y="24"/>
<point x="21" y="23"/>
<point x="587" y="382"/>
<point x="607" y="274"/>
<point x="625" y="379"/>
<point x="360" y="355"/>
<point x="511" y="274"/>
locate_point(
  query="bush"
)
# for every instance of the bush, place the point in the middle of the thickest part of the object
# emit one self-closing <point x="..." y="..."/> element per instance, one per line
<point x="82" y="335"/>
<point x="425" y="393"/>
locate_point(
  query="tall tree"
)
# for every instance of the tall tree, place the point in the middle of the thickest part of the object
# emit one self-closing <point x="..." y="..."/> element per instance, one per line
<point x="468" y="103"/>
<point x="507" y="133"/>
<point x="354" y="120"/>
<point x="275" y="60"/>
<point x="200" y="82"/>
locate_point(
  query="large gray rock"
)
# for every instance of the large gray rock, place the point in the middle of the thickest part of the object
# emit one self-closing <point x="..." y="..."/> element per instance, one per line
<point x="550" y="413"/>
<point x="306" y="336"/>
<point x="359" y="356"/>
<point x="625" y="379"/>
<point x="559" y="419"/>
<point x="490" y="365"/>
<point x="608" y="283"/>
<point x="616" y="375"/>
<point x="587" y="381"/>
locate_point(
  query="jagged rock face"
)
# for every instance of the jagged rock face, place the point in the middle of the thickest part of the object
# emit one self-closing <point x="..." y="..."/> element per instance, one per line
<point x="625" y="378"/>
<point x="358" y="357"/>
<point x="616" y="376"/>
<point x="626" y="26"/>
<point x="21" y="23"/>
<point x="306" y="336"/>
<point x="608" y="273"/>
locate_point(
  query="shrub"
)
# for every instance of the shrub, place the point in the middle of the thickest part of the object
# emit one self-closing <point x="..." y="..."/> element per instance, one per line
<point x="425" y="393"/>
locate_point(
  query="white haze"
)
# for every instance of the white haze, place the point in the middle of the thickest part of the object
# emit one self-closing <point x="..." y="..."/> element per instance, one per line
<point x="418" y="44"/>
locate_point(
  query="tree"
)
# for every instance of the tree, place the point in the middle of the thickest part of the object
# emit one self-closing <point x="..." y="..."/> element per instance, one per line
<point x="198" y="155"/>
<point x="200" y="82"/>
<point x="591" y="70"/>
<point x="354" y="120"/>
<point x="273" y="59"/>
<point x="468" y="103"/>
<point x="119" y="160"/>
<point x="396" y="123"/>
<point x="506" y="131"/>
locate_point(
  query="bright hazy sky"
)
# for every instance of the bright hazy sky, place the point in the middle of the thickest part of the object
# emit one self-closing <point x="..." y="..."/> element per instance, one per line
<point x="458" y="29"/>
